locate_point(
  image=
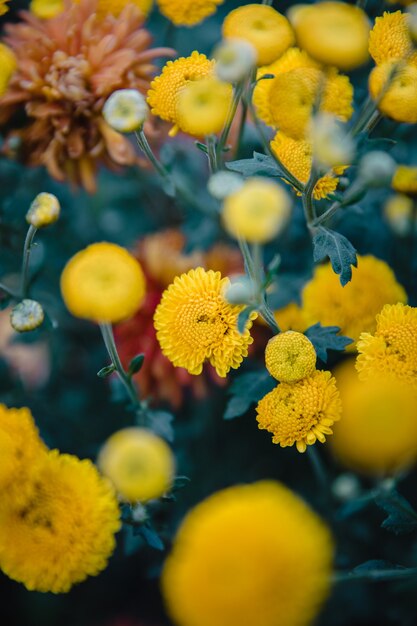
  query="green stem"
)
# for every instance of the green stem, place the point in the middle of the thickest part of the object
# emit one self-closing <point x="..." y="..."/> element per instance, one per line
<point x="242" y="124"/>
<point x="318" y="468"/>
<point x="237" y="94"/>
<point x="212" y="154"/>
<point x="147" y="151"/>
<point x="377" y="575"/>
<point x="307" y="196"/>
<point x="24" y="284"/>
<point x="9" y="292"/>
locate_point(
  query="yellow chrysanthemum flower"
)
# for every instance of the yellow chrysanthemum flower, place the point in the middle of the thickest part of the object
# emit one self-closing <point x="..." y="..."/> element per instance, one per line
<point x="3" y="7"/>
<point x="64" y="531"/>
<point x="188" y="12"/>
<point x="297" y="156"/>
<point x="290" y="356"/>
<point x="398" y="88"/>
<point x="353" y="307"/>
<point x="195" y="323"/>
<point x="240" y="555"/>
<point x="390" y="39"/>
<point x="103" y="283"/>
<point x="202" y="106"/>
<point x="291" y="317"/>
<point x="139" y="464"/>
<point x="334" y="33"/>
<point x="300" y="413"/>
<point x="44" y="210"/>
<point x="257" y="211"/>
<point x="399" y="212"/>
<point x="8" y="65"/>
<point x="405" y="180"/>
<point x="267" y="30"/>
<point x="164" y="89"/>
<point x="392" y="350"/>
<point x="377" y="434"/>
<point x="46" y="9"/>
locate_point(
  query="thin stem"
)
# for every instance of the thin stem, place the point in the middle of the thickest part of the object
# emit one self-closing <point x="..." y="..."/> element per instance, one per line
<point x="268" y="2"/>
<point x="237" y="94"/>
<point x="24" y="284"/>
<point x="242" y="124"/>
<point x="212" y="154"/>
<point x="377" y="575"/>
<point x="318" y="468"/>
<point x="147" y="151"/>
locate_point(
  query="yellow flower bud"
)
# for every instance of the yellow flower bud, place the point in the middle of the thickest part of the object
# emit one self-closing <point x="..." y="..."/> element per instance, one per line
<point x="44" y="210"/>
<point x="290" y="357"/>
<point x="125" y="110"/>
<point x="26" y="316"/>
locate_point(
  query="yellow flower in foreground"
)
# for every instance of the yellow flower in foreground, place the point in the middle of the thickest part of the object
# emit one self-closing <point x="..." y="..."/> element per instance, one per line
<point x="267" y="30"/>
<point x="405" y="180"/>
<point x="297" y="156"/>
<point x="257" y="211"/>
<point x="64" y="531"/>
<point x="290" y="356"/>
<point x="139" y="464"/>
<point x="300" y="413"/>
<point x="252" y="554"/>
<point x="389" y="39"/>
<point x="392" y="350"/>
<point x="291" y="317"/>
<point x="334" y="33"/>
<point x="195" y="323"/>
<point x="3" y="7"/>
<point x="8" y="65"/>
<point x="103" y="283"/>
<point x="395" y="89"/>
<point x="202" y="106"/>
<point x="353" y="307"/>
<point x="377" y="434"/>
<point x="44" y="210"/>
<point x="164" y="89"/>
<point x="188" y="12"/>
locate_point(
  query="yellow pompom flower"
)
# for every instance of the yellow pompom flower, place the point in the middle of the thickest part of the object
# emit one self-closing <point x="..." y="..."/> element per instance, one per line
<point x="395" y="89"/>
<point x="405" y="180"/>
<point x="390" y="39"/>
<point x="3" y="7"/>
<point x="257" y="211"/>
<point x="44" y="210"/>
<point x="392" y="350"/>
<point x="398" y="211"/>
<point x="297" y="156"/>
<point x="103" y="283"/>
<point x="300" y="413"/>
<point x="139" y="464"/>
<point x="334" y="33"/>
<point x="164" y="89"/>
<point x="64" y="531"/>
<point x="188" y="12"/>
<point x="195" y="323"/>
<point x="353" y="307"/>
<point x="202" y="106"/>
<point x="239" y="557"/>
<point x="290" y="356"/>
<point x="46" y="9"/>
<point x="291" y="317"/>
<point x="267" y="30"/>
<point x="8" y="65"/>
<point x="377" y="434"/>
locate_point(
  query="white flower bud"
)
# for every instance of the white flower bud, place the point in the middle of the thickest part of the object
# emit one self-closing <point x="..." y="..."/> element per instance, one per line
<point x="222" y="184"/>
<point x="346" y="487"/>
<point x="44" y="210"/>
<point x="376" y="169"/>
<point x="125" y="110"/>
<point x="26" y="316"/>
<point x="332" y="146"/>
<point x="234" y="60"/>
<point x="240" y="291"/>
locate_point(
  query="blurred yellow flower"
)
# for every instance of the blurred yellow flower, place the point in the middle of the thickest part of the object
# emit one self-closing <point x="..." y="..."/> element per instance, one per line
<point x="202" y="106"/>
<point x="195" y="323"/>
<point x="3" y="7"/>
<point x="301" y="413"/>
<point x="291" y="317"/>
<point x="390" y="40"/>
<point x="45" y="9"/>
<point x="290" y="356"/>
<point x="392" y="350"/>
<point x="267" y="30"/>
<point x="257" y="212"/>
<point x="353" y="307"/>
<point x="334" y="33"/>
<point x="405" y="180"/>
<point x="64" y="531"/>
<point x="125" y="110"/>
<point x="8" y="64"/>
<point x="394" y="87"/>
<point x="139" y="464"/>
<point x="188" y="12"/>
<point x="44" y="210"/>
<point x="239" y="557"/>
<point x="398" y="211"/>
<point x="103" y="283"/>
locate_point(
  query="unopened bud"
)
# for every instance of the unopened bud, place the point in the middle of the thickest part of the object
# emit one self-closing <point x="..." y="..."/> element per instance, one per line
<point x="44" y="210"/>
<point x="398" y="212"/>
<point x="376" y="169"/>
<point x="26" y="316"/>
<point x="125" y="110"/>
<point x="346" y="487"/>
<point x="240" y="291"/>
<point x="222" y="184"/>
<point x="234" y="60"/>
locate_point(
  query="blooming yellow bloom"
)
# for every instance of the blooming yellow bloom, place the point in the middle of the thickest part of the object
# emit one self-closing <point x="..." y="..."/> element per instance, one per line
<point x="378" y="430"/>
<point x="44" y="210"/>
<point x="405" y="180"/>
<point x="297" y="156"/>
<point x="291" y="317"/>
<point x="139" y="464"/>
<point x="164" y="89"/>
<point x="8" y="65"/>
<point x="188" y="12"/>
<point x="394" y="87"/>
<point x="64" y="531"/>
<point x="390" y="39"/>
<point x="195" y="323"/>
<point x="392" y="350"/>
<point x="267" y="30"/>
<point x="302" y="412"/>
<point x="334" y="33"/>
<point x="353" y="307"/>
<point x="103" y="283"/>
<point x="257" y="212"/>
<point x="290" y="356"/>
<point x="45" y="9"/>
<point x="3" y="7"/>
<point x="398" y="210"/>
<point x="240" y="555"/>
<point x="202" y="106"/>
<point x="26" y="316"/>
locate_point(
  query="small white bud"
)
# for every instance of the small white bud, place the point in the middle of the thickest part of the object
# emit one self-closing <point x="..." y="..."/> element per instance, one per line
<point x="376" y="169"/>
<point x="234" y="60"/>
<point x="125" y="110"/>
<point x="26" y="316"/>
<point x="44" y="210"/>
<point x="240" y="291"/>
<point x="346" y="487"/>
<point x="332" y="146"/>
<point x="223" y="184"/>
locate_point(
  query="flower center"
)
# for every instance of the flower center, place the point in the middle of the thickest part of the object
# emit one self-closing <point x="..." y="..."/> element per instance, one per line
<point x="67" y="78"/>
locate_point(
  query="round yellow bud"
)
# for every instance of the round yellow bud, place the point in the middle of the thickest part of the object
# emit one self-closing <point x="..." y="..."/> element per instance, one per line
<point x="202" y="106"/>
<point x="290" y="357"/>
<point x="26" y="316"/>
<point x="267" y="30"/>
<point x="103" y="283"/>
<point x="125" y="110"/>
<point x="44" y="210"/>
<point x="257" y="212"/>
<point x="399" y="86"/>
<point x="139" y="464"/>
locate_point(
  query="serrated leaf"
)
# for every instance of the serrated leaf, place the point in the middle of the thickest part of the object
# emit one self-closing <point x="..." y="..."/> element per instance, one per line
<point x="247" y="389"/>
<point x="135" y="364"/>
<point x="325" y="338"/>
<point x="106" y="371"/>
<point x="151" y="537"/>
<point x="161" y="423"/>
<point x="402" y="518"/>
<point x="259" y="164"/>
<point x="342" y="255"/>
<point x="243" y="318"/>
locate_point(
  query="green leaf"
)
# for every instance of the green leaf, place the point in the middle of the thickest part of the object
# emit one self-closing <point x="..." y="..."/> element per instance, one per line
<point x="342" y="255"/>
<point x="106" y="371"/>
<point x="260" y="164"/>
<point x="161" y="423"/>
<point x="247" y="389"/>
<point x="243" y="318"/>
<point x="402" y="518"/>
<point x="135" y="364"/>
<point x="132" y="541"/>
<point x="150" y="536"/>
<point x="325" y="338"/>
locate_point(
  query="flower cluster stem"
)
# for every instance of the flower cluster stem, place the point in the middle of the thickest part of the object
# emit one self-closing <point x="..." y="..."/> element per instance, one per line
<point x="376" y="575"/>
<point x="148" y="152"/>
<point x="237" y="95"/>
<point x="27" y="248"/>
